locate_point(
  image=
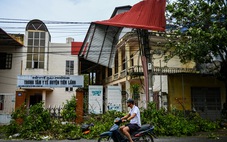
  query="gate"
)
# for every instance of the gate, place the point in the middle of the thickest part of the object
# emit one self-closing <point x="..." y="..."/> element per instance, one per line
<point x="207" y="102"/>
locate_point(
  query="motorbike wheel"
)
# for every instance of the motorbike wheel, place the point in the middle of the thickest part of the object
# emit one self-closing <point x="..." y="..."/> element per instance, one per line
<point x="105" y="139"/>
<point x="146" y="138"/>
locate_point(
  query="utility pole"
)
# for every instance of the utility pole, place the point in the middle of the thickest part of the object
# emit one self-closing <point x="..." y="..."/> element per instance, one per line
<point x="147" y="65"/>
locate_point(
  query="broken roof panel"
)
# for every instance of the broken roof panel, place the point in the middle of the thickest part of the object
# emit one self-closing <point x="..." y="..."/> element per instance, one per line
<point x="100" y="42"/>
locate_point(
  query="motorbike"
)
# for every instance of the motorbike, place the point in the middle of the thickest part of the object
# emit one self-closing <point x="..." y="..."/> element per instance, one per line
<point x="144" y="134"/>
<point x="85" y="128"/>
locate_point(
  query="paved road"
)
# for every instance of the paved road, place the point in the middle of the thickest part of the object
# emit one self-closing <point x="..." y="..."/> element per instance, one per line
<point x="162" y="139"/>
<point x="190" y="139"/>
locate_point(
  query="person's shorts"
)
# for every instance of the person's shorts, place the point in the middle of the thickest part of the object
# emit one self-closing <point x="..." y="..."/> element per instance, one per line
<point x="132" y="127"/>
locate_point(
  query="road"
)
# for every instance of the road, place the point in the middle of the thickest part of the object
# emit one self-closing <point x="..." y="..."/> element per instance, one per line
<point x="162" y="139"/>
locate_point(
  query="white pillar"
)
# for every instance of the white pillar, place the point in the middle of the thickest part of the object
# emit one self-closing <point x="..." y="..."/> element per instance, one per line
<point x="44" y="97"/>
<point x="127" y="89"/>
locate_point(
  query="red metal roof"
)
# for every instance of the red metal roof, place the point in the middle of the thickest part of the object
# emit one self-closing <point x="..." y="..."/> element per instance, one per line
<point x="147" y="14"/>
<point x="75" y="47"/>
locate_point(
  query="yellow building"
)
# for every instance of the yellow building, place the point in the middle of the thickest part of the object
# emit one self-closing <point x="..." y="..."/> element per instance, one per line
<point x="122" y="59"/>
<point x="175" y="85"/>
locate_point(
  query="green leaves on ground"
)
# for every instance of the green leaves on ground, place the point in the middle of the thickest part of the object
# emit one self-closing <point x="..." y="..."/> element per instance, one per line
<point x="175" y="122"/>
<point x="38" y="124"/>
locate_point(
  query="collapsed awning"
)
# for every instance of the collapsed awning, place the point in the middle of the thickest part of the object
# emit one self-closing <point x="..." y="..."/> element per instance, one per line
<point x="99" y="44"/>
<point x="7" y="40"/>
<point x="102" y="36"/>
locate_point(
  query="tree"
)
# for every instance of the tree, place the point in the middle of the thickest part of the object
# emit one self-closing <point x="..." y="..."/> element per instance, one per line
<point x="135" y="88"/>
<point x="200" y="29"/>
<point x="69" y="110"/>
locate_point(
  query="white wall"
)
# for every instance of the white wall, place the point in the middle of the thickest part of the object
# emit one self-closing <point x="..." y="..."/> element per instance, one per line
<point x="58" y="97"/>
<point x="58" y="54"/>
<point x="8" y="82"/>
<point x="160" y="83"/>
<point x="8" y="107"/>
<point x="8" y="77"/>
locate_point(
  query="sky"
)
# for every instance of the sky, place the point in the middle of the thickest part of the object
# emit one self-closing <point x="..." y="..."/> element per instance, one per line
<point x="15" y="14"/>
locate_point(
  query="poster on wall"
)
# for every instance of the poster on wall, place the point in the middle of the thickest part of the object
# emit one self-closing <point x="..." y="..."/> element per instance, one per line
<point x="114" y="98"/>
<point x="95" y="99"/>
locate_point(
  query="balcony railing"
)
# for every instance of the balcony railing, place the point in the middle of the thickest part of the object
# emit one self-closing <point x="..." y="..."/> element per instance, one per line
<point x="136" y="71"/>
<point x="123" y="73"/>
<point x="109" y="79"/>
<point x="173" y="70"/>
<point x="116" y="76"/>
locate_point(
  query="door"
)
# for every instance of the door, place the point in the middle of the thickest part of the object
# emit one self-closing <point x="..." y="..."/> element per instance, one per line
<point x="36" y="98"/>
<point x="207" y="102"/>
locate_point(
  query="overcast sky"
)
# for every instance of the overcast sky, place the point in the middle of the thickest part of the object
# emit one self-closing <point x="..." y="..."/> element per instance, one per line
<point x="13" y="11"/>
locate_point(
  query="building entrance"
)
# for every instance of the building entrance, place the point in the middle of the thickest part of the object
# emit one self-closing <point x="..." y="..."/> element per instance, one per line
<point x="36" y="98"/>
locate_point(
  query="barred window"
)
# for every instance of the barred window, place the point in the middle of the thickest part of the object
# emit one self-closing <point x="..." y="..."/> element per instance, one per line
<point x="5" y="60"/>
<point x="1" y="102"/>
<point x="69" y="69"/>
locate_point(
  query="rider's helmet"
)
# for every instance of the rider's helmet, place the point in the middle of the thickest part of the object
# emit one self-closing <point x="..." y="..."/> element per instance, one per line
<point x="130" y="101"/>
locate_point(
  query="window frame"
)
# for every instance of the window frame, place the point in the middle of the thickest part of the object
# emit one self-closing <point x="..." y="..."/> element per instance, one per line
<point x="36" y="44"/>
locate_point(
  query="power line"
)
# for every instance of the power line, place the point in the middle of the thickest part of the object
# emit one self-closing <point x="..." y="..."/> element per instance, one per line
<point x="9" y="20"/>
<point x="64" y="28"/>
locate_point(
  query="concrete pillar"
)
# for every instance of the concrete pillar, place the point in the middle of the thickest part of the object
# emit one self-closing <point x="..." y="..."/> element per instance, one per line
<point x="44" y="97"/>
<point x="20" y="98"/>
<point x="79" y="105"/>
<point x="127" y="89"/>
<point x="106" y="72"/>
<point x="119" y="61"/>
<point x="127" y="54"/>
<point x="128" y="59"/>
<point x="113" y="71"/>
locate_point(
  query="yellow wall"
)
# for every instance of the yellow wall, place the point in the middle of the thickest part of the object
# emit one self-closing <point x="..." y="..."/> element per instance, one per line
<point x="180" y="87"/>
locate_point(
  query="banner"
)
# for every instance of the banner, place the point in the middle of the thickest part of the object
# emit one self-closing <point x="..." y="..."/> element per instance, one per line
<point x="51" y="81"/>
<point x="95" y="99"/>
<point x="114" y="98"/>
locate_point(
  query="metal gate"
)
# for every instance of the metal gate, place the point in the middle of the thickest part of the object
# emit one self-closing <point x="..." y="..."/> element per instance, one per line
<point x="207" y="102"/>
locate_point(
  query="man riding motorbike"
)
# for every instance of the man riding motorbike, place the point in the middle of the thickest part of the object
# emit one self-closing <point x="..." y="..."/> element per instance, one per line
<point x="134" y="117"/>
